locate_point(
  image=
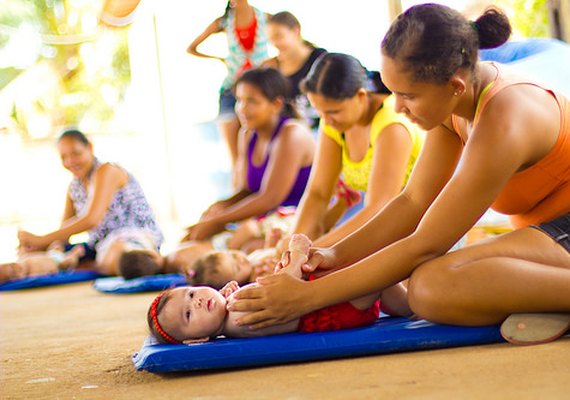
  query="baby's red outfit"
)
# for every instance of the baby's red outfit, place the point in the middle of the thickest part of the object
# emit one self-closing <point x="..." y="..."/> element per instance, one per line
<point x="339" y="316"/>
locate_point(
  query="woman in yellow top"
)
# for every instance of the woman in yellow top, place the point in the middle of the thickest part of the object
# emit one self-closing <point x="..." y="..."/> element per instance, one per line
<point x="360" y="136"/>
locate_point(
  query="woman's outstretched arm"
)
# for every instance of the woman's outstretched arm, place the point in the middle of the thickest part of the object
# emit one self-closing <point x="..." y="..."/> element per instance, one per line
<point x="391" y="156"/>
<point x="269" y="304"/>
<point x="285" y="162"/>
<point x="107" y="180"/>
<point x="324" y="175"/>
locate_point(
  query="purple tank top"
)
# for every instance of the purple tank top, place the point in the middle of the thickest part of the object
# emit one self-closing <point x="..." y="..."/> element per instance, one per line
<point x="255" y="172"/>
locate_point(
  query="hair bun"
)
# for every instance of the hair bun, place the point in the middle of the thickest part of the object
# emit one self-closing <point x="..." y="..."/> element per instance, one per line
<point x="492" y="27"/>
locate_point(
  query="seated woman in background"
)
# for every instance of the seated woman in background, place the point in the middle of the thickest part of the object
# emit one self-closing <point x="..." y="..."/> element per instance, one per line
<point x="275" y="154"/>
<point x="102" y="198"/>
<point x="295" y="59"/>
<point x="362" y="137"/>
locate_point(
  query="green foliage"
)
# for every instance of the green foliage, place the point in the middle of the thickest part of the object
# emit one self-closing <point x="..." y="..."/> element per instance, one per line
<point x="7" y="75"/>
<point x="529" y="18"/>
<point x="92" y="76"/>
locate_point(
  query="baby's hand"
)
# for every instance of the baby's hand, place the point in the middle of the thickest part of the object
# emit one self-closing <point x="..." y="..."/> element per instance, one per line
<point x="230" y="288"/>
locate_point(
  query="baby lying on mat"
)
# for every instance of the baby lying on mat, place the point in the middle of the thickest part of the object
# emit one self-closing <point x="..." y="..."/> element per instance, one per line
<point x="42" y="262"/>
<point x="197" y="314"/>
<point x="217" y="268"/>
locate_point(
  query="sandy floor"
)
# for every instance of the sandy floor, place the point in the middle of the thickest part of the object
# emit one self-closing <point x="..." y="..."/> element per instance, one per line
<point x="72" y="342"/>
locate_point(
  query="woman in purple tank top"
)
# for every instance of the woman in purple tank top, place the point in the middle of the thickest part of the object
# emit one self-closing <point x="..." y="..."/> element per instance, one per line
<point x="275" y="153"/>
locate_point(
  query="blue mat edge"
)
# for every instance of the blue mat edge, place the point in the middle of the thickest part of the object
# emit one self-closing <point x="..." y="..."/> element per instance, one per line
<point x="388" y="335"/>
<point x="61" y="278"/>
<point x="118" y="285"/>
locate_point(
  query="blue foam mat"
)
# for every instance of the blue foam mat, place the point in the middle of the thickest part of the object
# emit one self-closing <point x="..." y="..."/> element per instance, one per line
<point x="388" y="335"/>
<point x="61" y="278"/>
<point x="548" y="60"/>
<point x="118" y="285"/>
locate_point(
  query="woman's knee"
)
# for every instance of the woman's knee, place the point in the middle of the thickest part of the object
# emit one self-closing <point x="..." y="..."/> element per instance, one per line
<point x="428" y="289"/>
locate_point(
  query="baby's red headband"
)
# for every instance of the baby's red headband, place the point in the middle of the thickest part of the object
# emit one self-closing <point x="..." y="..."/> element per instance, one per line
<point x="154" y="317"/>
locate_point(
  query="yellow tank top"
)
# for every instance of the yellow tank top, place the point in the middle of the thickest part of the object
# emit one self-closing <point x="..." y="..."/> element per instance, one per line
<point x="356" y="173"/>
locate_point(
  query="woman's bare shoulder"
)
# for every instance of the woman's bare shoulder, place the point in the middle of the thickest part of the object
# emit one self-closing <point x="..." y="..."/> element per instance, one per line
<point x="111" y="171"/>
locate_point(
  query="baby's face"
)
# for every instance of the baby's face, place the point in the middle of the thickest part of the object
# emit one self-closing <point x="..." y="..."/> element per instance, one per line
<point x="232" y="265"/>
<point x="193" y="313"/>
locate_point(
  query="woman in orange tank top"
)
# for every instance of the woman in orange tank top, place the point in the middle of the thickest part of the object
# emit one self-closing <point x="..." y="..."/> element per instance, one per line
<point x="493" y="140"/>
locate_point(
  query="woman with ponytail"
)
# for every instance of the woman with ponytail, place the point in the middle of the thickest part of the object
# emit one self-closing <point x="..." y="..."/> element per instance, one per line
<point x="362" y="138"/>
<point x="494" y="139"/>
<point x="275" y="153"/>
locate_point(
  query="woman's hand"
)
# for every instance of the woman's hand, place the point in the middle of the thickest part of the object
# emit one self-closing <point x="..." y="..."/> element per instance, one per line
<point x="276" y="300"/>
<point x="215" y="209"/>
<point x="203" y="230"/>
<point x="30" y="242"/>
<point x="321" y="262"/>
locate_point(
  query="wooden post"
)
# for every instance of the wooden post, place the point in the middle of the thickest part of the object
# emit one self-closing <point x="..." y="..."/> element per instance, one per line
<point x="394" y="9"/>
<point x="559" y="19"/>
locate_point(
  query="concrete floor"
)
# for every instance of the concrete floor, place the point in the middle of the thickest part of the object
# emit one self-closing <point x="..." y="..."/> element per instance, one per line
<point x="73" y="342"/>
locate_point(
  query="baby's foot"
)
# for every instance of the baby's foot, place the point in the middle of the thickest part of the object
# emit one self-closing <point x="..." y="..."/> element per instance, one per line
<point x="298" y="254"/>
<point x="72" y="257"/>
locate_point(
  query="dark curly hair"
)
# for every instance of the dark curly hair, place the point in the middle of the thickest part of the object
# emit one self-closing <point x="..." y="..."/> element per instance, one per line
<point x="434" y="41"/>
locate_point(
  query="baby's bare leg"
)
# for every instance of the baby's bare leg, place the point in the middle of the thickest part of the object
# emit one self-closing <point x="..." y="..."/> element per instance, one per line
<point x="298" y="253"/>
<point x="299" y="246"/>
<point x="71" y="259"/>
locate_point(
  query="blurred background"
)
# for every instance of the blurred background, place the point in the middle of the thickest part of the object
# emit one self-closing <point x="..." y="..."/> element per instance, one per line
<point x="118" y="70"/>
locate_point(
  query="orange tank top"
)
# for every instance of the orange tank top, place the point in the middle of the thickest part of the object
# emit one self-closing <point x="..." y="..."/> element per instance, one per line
<point x="540" y="192"/>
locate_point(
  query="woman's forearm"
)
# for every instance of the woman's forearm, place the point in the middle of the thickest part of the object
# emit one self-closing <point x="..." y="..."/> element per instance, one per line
<point x="250" y="206"/>
<point x="236" y="198"/>
<point x="395" y="221"/>
<point x="372" y="274"/>
<point x="310" y="215"/>
<point x="352" y="225"/>
<point x="70" y="227"/>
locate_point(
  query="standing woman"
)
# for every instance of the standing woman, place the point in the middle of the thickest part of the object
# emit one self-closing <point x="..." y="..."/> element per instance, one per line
<point x="245" y="28"/>
<point x="495" y="139"/>
<point x="362" y="137"/>
<point x="275" y="154"/>
<point x="102" y="199"/>
<point x="295" y="59"/>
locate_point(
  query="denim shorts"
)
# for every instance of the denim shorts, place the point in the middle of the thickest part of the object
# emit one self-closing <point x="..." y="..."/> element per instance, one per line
<point x="558" y="229"/>
<point x="227" y="103"/>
